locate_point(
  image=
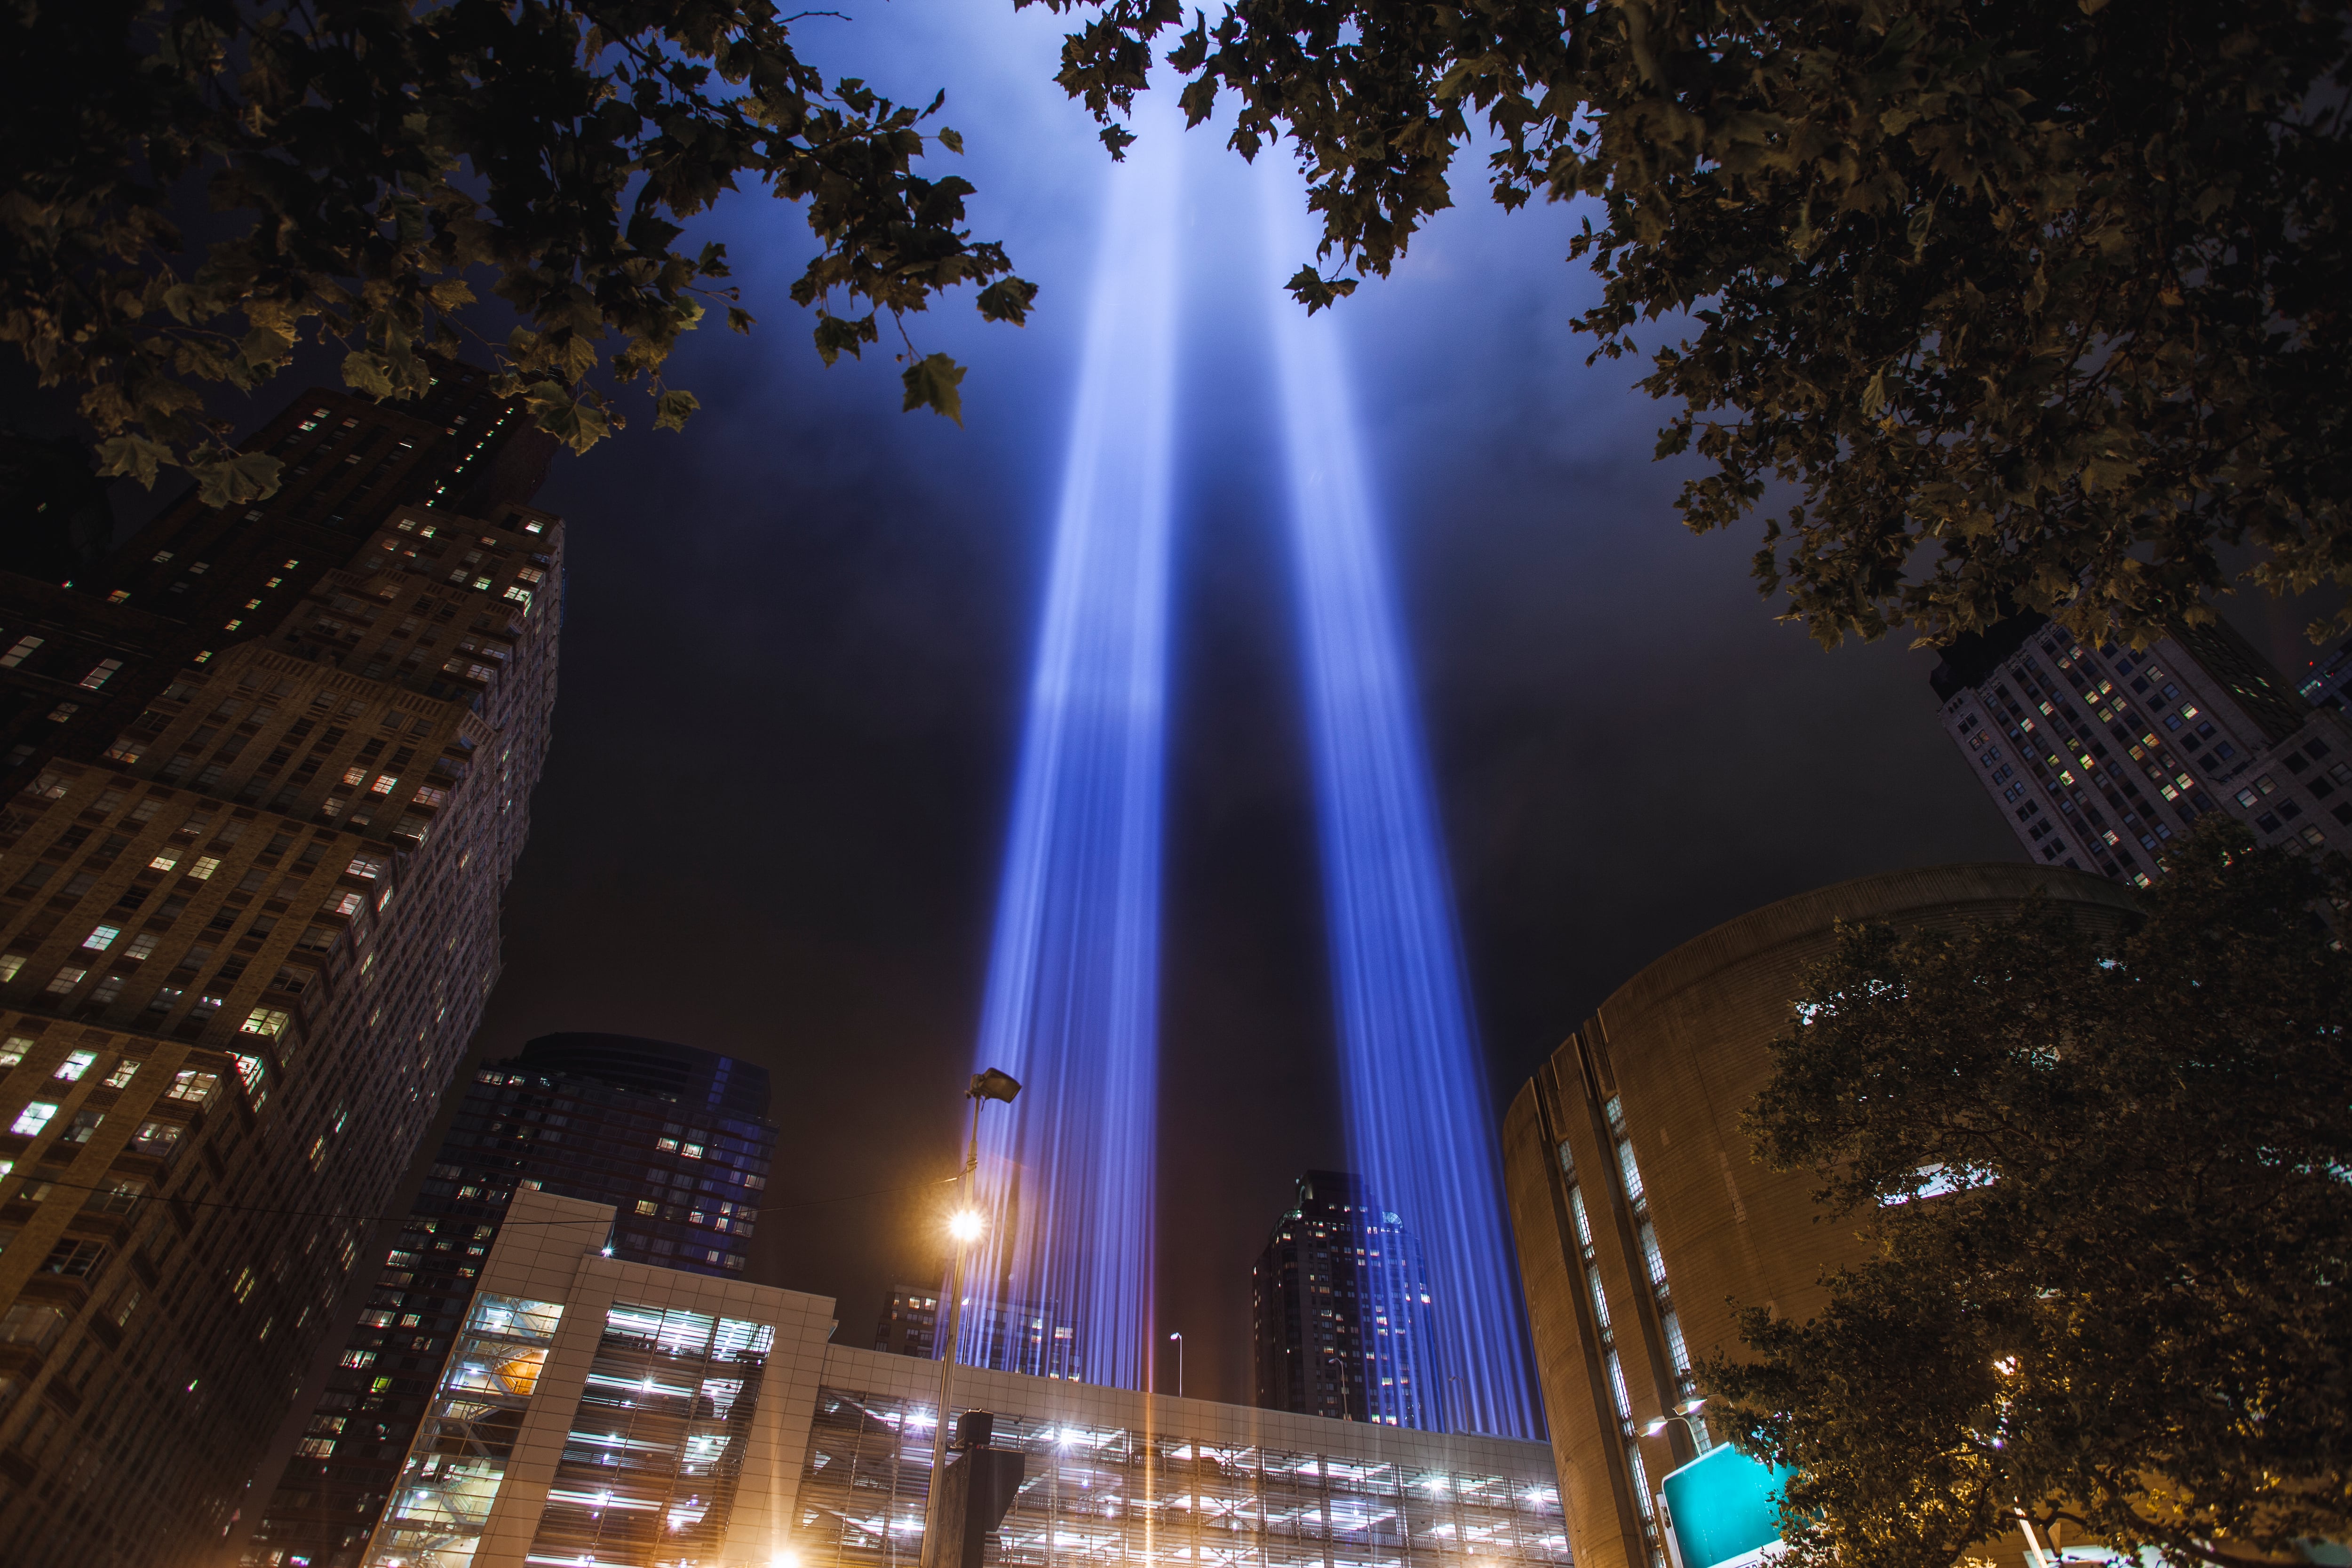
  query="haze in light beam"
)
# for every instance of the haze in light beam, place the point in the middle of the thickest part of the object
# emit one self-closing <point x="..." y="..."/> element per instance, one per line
<point x="1073" y="989"/>
<point x="1421" y="1128"/>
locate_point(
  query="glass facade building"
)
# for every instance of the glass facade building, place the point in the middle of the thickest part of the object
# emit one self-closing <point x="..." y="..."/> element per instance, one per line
<point x="1341" y="1308"/>
<point x="676" y="1139"/>
<point x="672" y="1421"/>
<point x="1175" y="1481"/>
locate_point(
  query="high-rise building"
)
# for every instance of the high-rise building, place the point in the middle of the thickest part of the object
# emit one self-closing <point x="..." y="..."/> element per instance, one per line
<point x="1643" y="1221"/>
<point x="2098" y="757"/>
<point x="1340" y="1309"/>
<point x="274" y="765"/>
<point x="677" y="1140"/>
<point x="2328" y="679"/>
<point x="910" y="1321"/>
<point x="996" y="1332"/>
<point x="610" y="1413"/>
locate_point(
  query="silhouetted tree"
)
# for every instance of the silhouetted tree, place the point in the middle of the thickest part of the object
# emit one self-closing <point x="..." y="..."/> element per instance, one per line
<point x="2109" y="1173"/>
<point x="368" y="157"/>
<point x="2037" y="301"/>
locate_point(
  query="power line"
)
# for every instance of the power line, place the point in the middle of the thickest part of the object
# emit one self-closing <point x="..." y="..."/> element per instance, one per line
<point x="758" y="1211"/>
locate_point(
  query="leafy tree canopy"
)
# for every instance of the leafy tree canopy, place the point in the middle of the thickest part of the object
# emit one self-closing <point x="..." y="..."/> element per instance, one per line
<point x="2024" y="302"/>
<point x="368" y="156"/>
<point x="2110" y="1180"/>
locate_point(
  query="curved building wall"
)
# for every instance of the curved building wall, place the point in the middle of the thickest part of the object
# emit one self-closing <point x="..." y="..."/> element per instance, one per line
<point x="1634" y="1121"/>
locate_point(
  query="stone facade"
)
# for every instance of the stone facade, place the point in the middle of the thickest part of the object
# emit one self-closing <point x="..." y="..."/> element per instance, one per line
<point x="1644" y="1223"/>
<point x="248" y="917"/>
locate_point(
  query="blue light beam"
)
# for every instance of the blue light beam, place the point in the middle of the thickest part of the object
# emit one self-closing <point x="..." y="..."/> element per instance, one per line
<point x="1073" y="989"/>
<point x="1420" y="1125"/>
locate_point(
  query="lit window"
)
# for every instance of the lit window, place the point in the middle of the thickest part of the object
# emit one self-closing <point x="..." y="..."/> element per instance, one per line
<point x="266" y="1022"/>
<point x="101" y="672"/>
<point x="19" y="653"/>
<point x="32" y="1119"/>
<point x="646" y="1206"/>
<point x="156" y="1137"/>
<point x="76" y="1064"/>
<point x="101" y="938"/>
<point x="193" y="1087"/>
<point x="124" y="1071"/>
<point x="65" y="980"/>
<point x="13" y="1049"/>
<point x="203" y="869"/>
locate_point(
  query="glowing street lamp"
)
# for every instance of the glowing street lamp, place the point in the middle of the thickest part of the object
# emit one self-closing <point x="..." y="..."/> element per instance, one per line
<point x="966" y="1226"/>
<point x="1698" y="1439"/>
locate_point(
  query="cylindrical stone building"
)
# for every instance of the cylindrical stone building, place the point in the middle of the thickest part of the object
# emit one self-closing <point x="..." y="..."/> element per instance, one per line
<point x="1643" y="1221"/>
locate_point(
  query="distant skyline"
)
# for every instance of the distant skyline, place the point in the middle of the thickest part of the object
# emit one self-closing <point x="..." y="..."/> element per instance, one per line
<point x="796" y="637"/>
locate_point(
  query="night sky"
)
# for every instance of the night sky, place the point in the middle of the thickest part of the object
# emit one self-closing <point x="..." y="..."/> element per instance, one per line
<point x="798" y="635"/>
<point x="797" y="638"/>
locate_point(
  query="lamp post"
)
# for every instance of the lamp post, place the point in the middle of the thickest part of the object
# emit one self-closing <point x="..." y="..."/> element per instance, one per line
<point x="966" y="1226"/>
<point x="1697" y="1433"/>
<point x="1179" y="1363"/>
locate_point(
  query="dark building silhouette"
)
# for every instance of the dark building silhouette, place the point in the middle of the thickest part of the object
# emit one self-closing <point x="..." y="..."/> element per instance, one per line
<point x="677" y="1140"/>
<point x="1340" y="1309"/>
<point x="56" y="520"/>
<point x="1001" y="1334"/>
<point x="910" y="1321"/>
<point x="2098" y="757"/>
<point x="263" y="777"/>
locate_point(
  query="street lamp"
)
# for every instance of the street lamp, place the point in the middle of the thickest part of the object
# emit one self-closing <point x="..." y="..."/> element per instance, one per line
<point x="1697" y="1433"/>
<point x="1179" y="1364"/>
<point x="965" y="1227"/>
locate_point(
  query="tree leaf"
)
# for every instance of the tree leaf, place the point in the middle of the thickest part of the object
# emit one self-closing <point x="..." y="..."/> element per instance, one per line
<point x="236" y="478"/>
<point x="934" y="382"/>
<point x="134" y="455"/>
<point x="367" y="373"/>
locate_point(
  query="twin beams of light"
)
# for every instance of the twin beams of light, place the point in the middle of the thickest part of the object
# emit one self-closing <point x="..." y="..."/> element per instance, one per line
<point x="1073" y="986"/>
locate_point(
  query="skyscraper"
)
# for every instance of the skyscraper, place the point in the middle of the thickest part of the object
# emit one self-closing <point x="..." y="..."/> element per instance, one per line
<point x="910" y="1323"/>
<point x="2097" y="757"/>
<point x="996" y="1332"/>
<point x="274" y="765"/>
<point x="1340" y="1309"/>
<point x="676" y="1139"/>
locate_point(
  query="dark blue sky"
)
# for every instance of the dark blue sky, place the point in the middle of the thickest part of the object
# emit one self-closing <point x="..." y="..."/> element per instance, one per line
<point x="798" y="633"/>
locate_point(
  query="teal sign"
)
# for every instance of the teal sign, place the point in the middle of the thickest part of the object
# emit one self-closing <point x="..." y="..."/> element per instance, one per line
<point x="1723" y="1507"/>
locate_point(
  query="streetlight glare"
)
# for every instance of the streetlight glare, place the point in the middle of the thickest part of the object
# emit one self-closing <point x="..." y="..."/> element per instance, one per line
<point x="1655" y="1427"/>
<point x="965" y="1225"/>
